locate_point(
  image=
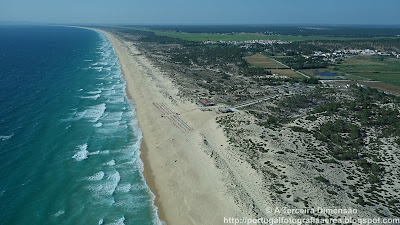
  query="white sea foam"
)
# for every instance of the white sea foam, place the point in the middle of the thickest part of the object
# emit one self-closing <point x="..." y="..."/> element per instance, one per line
<point x="110" y="163"/>
<point x="88" y="60"/>
<point x="99" y="124"/>
<point x="118" y="222"/>
<point x="123" y="188"/>
<point x="59" y="213"/>
<point x="107" y="118"/>
<point x="137" y="187"/>
<point x="94" y="97"/>
<point x="109" y="130"/>
<point x="114" y="116"/>
<point x="112" y="124"/>
<point x="94" y="153"/>
<point x="112" y="180"/>
<point x="78" y="115"/>
<point x="94" y="187"/>
<point x="94" y="92"/>
<point x="128" y="114"/>
<point x="106" y="152"/>
<point x="6" y="137"/>
<point x="96" y="176"/>
<point x="82" y="154"/>
<point x="117" y="99"/>
<point x="98" y="68"/>
<point x="95" y="112"/>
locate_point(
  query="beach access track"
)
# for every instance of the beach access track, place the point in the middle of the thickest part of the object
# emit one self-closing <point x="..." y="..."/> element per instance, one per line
<point x="173" y="117"/>
<point x="256" y="101"/>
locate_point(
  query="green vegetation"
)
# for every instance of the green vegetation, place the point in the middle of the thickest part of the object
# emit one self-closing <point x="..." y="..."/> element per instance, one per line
<point x="238" y="37"/>
<point x="332" y="192"/>
<point x="262" y="61"/>
<point x="299" y="129"/>
<point x="241" y="36"/>
<point x="322" y="179"/>
<point x="299" y="62"/>
<point x="386" y="69"/>
<point x="205" y="55"/>
<point x="343" y="138"/>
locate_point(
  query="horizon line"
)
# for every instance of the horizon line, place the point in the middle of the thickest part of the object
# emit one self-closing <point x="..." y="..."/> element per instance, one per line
<point x="191" y="24"/>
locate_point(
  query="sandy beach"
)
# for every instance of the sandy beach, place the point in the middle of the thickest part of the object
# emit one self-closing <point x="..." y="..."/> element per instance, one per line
<point x="177" y="141"/>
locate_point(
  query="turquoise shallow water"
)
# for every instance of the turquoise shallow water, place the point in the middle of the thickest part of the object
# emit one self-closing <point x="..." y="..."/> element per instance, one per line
<point x="69" y="139"/>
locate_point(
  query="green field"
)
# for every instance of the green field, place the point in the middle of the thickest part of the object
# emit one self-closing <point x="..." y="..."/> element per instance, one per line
<point x="259" y="60"/>
<point x="239" y="36"/>
<point x="377" y="68"/>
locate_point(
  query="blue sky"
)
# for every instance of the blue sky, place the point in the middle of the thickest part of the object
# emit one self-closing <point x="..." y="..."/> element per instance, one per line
<point x="203" y="12"/>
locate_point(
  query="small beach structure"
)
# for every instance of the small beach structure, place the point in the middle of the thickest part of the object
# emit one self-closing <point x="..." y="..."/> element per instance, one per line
<point x="205" y="102"/>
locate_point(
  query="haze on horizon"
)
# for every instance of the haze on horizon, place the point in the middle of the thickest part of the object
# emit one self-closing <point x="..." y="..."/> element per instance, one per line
<point x="366" y="12"/>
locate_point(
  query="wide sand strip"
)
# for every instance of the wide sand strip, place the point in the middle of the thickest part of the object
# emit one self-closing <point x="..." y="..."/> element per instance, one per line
<point x="177" y="135"/>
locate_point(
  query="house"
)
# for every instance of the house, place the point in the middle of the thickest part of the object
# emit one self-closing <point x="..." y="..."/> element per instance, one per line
<point x="205" y="102"/>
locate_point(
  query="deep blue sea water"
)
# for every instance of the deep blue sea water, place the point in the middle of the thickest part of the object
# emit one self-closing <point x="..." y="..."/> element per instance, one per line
<point x="69" y="139"/>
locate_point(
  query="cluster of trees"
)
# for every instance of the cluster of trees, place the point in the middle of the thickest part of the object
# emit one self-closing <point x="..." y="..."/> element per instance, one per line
<point x="254" y="71"/>
<point x="370" y="114"/>
<point x="299" y="62"/>
<point x="373" y="170"/>
<point x="208" y="55"/>
<point x="297" y="101"/>
<point x="329" y="108"/>
<point x="344" y="138"/>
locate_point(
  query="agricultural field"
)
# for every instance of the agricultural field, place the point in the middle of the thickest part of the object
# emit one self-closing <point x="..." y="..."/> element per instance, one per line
<point x="385" y="69"/>
<point x="262" y="61"/>
<point x="286" y="72"/>
<point x="239" y="36"/>
<point x="259" y="60"/>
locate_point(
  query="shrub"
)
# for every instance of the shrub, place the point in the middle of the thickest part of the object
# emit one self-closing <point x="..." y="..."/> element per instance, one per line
<point x="322" y="179"/>
<point x="299" y="129"/>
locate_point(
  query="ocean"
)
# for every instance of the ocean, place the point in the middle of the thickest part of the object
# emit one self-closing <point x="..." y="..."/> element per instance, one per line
<point x="69" y="138"/>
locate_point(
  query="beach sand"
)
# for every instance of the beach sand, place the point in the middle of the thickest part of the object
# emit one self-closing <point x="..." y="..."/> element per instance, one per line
<point x="178" y="166"/>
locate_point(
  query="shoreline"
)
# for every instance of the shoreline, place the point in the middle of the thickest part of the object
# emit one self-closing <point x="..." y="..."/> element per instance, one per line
<point x="179" y="169"/>
<point x="147" y="171"/>
<point x="149" y="179"/>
